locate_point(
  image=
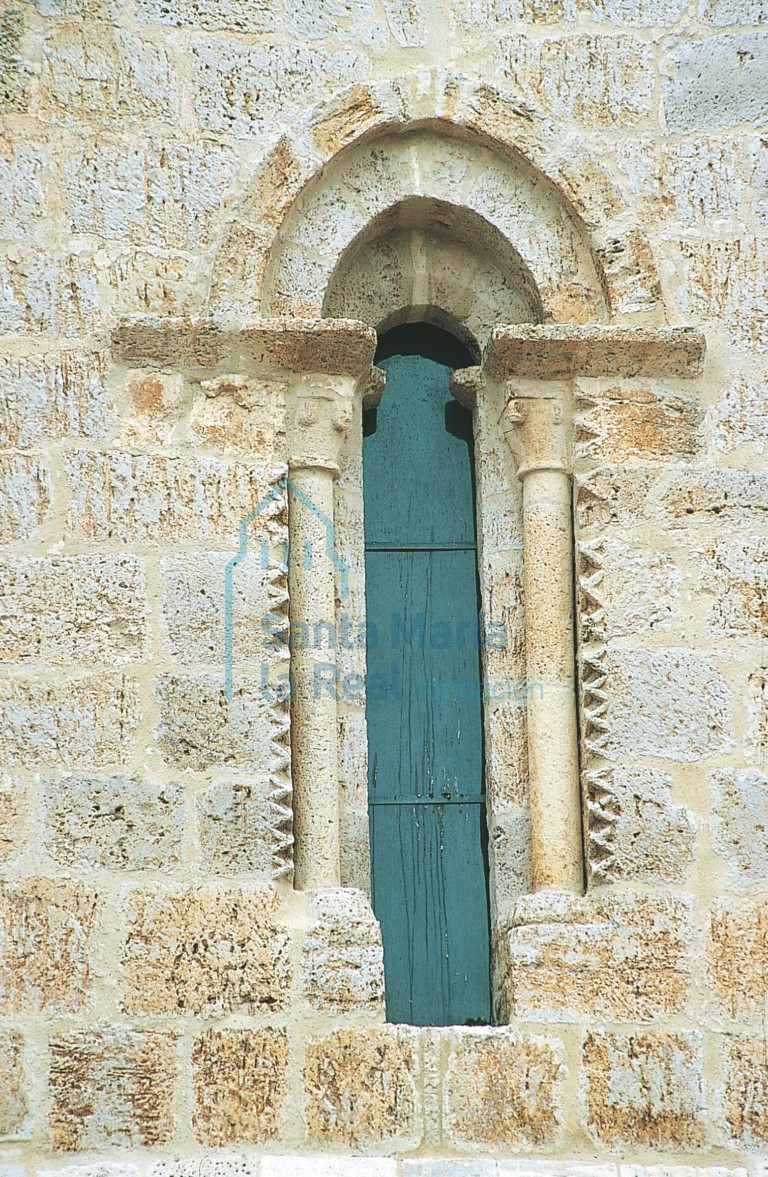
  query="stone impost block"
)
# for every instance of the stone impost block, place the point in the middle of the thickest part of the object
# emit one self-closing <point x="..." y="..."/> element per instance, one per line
<point x="73" y="608"/>
<point x="502" y="1089"/>
<point x="44" y="397"/>
<point x="117" y="821"/>
<point x="46" y="945"/>
<point x="557" y="352"/>
<point x="343" y="960"/>
<point x="14" y="1106"/>
<point x="333" y="347"/>
<point x="361" y="1090"/>
<point x="112" y="1086"/>
<point x="25" y="495"/>
<point x="738" y="957"/>
<point x="239" y="1085"/>
<point x="621" y="957"/>
<point x="88" y="721"/>
<point x="746" y="1091"/>
<point x="208" y="951"/>
<point x="643" y="1090"/>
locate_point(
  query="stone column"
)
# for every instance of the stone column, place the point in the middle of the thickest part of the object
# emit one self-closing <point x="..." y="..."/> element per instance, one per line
<point x="535" y="429"/>
<point x="321" y="414"/>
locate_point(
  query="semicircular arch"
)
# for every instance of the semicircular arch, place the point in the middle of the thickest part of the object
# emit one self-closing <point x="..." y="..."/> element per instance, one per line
<point x="435" y="136"/>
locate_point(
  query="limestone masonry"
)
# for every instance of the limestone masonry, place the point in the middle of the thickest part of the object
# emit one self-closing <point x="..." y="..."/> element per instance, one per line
<point x="208" y="209"/>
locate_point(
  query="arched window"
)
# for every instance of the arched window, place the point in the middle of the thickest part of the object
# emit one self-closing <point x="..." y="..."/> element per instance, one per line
<point x="429" y="866"/>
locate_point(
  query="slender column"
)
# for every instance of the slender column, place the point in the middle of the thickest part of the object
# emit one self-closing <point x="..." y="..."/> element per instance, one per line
<point x="320" y="419"/>
<point x="535" y="430"/>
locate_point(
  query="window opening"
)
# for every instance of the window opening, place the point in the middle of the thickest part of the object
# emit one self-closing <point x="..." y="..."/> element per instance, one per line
<point x="429" y="860"/>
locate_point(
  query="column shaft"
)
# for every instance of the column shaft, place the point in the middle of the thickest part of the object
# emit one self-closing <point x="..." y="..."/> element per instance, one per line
<point x="313" y="672"/>
<point x="550" y="671"/>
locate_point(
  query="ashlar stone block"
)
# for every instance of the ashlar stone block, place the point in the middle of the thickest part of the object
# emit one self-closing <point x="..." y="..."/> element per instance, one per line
<point x="738" y="957"/>
<point x="73" y="608"/>
<point x="44" y="397"/>
<point x="361" y="1089"/>
<point x="746" y="1091"/>
<point x="239" y="1079"/>
<point x="25" y="495"/>
<point x="88" y="721"/>
<point x="502" y="1089"/>
<point x="14" y="1105"/>
<point x="46" y="945"/>
<point x="117" y="821"/>
<point x="718" y="82"/>
<point x="112" y="1086"/>
<point x="643" y="1090"/>
<point x="621" y="957"/>
<point x="207" y="951"/>
<point x="343" y="959"/>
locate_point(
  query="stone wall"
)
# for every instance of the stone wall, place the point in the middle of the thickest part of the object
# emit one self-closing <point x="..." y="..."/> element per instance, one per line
<point x="169" y="1005"/>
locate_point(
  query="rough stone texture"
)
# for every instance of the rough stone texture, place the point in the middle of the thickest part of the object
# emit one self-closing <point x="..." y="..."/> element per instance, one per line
<point x="112" y="1086"/>
<point x="360" y="1088"/>
<point x="671" y="703"/>
<point x="738" y="957"/>
<point x="236" y="826"/>
<point x="46" y="945"/>
<point x="741" y="821"/>
<point x="502" y="1089"/>
<point x="239" y="1085"/>
<point x="48" y="295"/>
<point x="14" y="95"/>
<point x="73" y="609"/>
<point x="46" y="396"/>
<point x="608" y="495"/>
<point x="168" y="196"/>
<point x="610" y="956"/>
<point x="14" y="1106"/>
<point x="722" y="287"/>
<point x="718" y="82"/>
<point x="644" y="423"/>
<point x="105" y="76"/>
<point x="690" y="182"/>
<point x="14" y="817"/>
<point x="586" y="79"/>
<point x="205" y="951"/>
<point x="117" y="821"/>
<point x="638" y="589"/>
<point x="89" y="721"/>
<point x="25" y="483"/>
<point x="644" y="1090"/>
<point x="742" y="415"/>
<point x="194" y="606"/>
<point x="735" y="575"/>
<point x="154" y="498"/>
<point x="201" y="727"/>
<point x="343" y="957"/>
<point x="634" y="830"/>
<point x="245" y="90"/>
<point x="247" y="16"/>
<point x="746" y="1091"/>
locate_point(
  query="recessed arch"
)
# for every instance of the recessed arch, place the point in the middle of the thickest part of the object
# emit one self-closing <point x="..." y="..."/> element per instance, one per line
<point x="261" y="251"/>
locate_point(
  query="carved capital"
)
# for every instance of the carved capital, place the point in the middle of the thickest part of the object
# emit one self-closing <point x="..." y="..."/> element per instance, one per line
<point x="536" y="431"/>
<point x="320" y="420"/>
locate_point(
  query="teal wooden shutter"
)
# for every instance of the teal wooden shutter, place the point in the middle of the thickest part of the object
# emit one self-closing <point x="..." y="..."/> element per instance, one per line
<point x="424" y="709"/>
